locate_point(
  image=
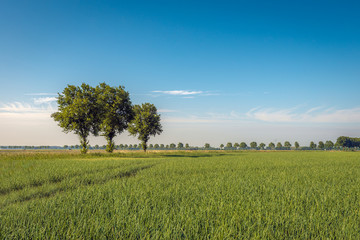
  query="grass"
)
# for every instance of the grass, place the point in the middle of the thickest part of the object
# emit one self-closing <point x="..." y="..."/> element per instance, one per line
<point x="172" y="195"/>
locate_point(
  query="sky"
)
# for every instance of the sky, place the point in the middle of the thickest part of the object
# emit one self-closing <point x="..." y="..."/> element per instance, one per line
<point x="217" y="71"/>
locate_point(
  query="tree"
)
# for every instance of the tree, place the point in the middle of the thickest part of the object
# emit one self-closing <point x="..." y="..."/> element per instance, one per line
<point x="121" y="146"/>
<point x="207" y="145"/>
<point x="65" y="146"/>
<point x="253" y="145"/>
<point x="115" y="112"/>
<point x="287" y="144"/>
<point x="78" y="112"/>
<point x="172" y="145"/>
<point x="297" y="145"/>
<point x="221" y="146"/>
<point x="329" y="145"/>
<point x="156" y="146"/>
<point x="146" y="123"/>
<point x="229" y="145"/>
<point x="180" y="145"/>
<point x="312" y="145"/>
<point x="162" y="146"/>
<point x="243" y="145"/>
<point x="278" y="145"/>
<point x="321" y="145"/>
<point x="135" y="145"/>
<point x="236" y="145"/>
<point x="151" y="146"/>
<point x="126" y="146"/>
<point x="271" y="145"/>
<point x="187" y="146"/>
<point x="262" y="145"/>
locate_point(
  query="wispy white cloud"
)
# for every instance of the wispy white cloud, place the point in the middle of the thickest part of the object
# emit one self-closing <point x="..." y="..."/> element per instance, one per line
<point x="43" y="100"/>
<point x="166" y="110"/>
<point x="179" y="92"/>
<point x="40" y="94"/>
<point x="23" y="108"/>
<point x="313" y="115"/>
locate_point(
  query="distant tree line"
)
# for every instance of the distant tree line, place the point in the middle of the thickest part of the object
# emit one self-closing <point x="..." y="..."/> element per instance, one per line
<point x="106" y="111"/>
<point x="348" y="142"/>
<point x="342" y="143"/>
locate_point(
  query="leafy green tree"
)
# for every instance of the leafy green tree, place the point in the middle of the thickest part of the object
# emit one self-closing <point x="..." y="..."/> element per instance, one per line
<point x="130" y="146"/>
<point x="187" y="146"/>
<point x="329" y="145"/>
<point x="126" y="146"/>
<point x="236" y="145"/>
<point x="115" y="112"/>
<point x="172" y="145"/>
<point x="297" y="145"/>
<point x="78" y="112"/>
<point x="262" y="145"/>
<point x="135" y="145"/>
<point x="65" y="146"/>
<point x="321" y="145"/>
<point x="96" y="146"/>
<point x="162" y="146"/>
<point x="221" y="146"/>
<point x="243" y="145"/>
<point x="271" y="145"/>
<point x="312" y="145"/>
<point x="156" y="146"/>
<point x="167" y="146"/>
<point x="121" y="146"/>
<point x="278" y="145"/>
<point x="151" y="146"/>
<point x="253" y="145"/>
<point x="287" y="144"/>
<point x="180" y="145"/>
<point x="146" y="123"/>
<point x="207" y="145"/>
<point x="229" y="145"/>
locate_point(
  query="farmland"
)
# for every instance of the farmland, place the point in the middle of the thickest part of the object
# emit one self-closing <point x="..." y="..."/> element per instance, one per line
<point x="179" y="194"/>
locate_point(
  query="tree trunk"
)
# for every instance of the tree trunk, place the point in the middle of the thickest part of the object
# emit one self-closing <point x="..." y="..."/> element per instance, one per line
<point x="144" y="146"/>
<point x="110" y="144"/>
<point x="84" y="144"/>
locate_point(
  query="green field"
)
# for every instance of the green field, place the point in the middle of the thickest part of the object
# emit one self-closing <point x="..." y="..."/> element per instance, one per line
<point x="173" y="195"/>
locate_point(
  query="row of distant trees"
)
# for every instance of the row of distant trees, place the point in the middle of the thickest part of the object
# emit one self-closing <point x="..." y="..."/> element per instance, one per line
<point x="106" y="111"/>
<point x="341" y="143"/>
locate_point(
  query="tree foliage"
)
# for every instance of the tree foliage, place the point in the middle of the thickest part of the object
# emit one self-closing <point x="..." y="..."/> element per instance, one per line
<point x="78" y="112"/>
<point x="253" y="144"/>
<point x="312" y="145"/>
<point x="115" y="111"/>
<point x="243" y="145"/>
<point x="329" y="145"/>
<point x="297" y="145"/>
<point x="348" y="142"/>
<point x="146" y="123"/>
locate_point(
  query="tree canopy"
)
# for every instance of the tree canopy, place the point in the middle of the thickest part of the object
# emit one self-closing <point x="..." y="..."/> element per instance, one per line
<point x="146" y="123"/>
<point x="78" y="112"/>
<point x="115" y="111"/>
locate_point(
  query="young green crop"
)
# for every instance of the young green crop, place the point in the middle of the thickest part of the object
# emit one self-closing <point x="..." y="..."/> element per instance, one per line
<point x="266" y="195"/>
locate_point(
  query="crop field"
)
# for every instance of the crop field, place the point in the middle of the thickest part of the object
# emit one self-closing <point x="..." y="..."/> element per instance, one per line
<point x="180" y="195"/>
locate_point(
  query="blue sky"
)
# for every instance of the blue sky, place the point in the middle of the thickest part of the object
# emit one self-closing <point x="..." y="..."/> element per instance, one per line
<point x="218" y="71"/>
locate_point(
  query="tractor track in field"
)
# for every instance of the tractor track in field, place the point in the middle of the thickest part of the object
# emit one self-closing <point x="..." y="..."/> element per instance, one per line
<point x="39" y="195"/>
